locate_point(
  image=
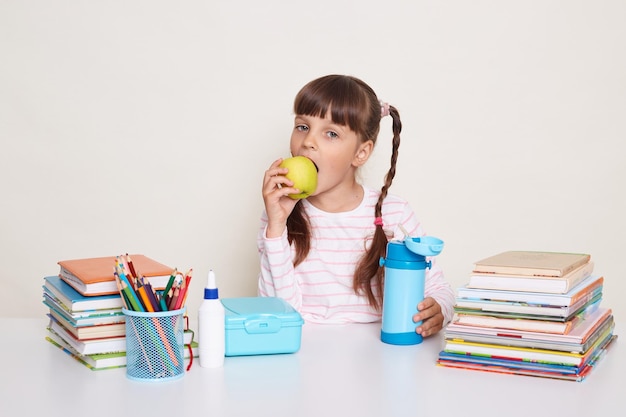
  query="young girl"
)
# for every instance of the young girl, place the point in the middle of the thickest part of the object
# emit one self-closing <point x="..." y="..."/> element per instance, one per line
<point x="322" y="254"/>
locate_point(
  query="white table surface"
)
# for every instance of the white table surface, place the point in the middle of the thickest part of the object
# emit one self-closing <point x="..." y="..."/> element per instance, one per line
<point x="339" y="371"/>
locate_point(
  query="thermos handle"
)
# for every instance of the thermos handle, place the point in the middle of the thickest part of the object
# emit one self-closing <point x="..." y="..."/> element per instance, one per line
<point x="424" y="245"/>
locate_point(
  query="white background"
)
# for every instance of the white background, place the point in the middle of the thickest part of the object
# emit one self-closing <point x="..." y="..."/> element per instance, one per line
<point x="146" y="126"/>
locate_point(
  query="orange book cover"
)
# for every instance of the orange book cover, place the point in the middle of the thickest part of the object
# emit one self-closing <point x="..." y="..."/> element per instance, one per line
<point x="94" y="276"/>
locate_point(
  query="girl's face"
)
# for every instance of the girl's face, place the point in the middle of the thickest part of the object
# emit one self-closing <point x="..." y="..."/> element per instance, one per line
<point x="335" y="149"/>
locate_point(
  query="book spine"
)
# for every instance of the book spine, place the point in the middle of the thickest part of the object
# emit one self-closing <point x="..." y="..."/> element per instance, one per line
<point x="588" y="291"/>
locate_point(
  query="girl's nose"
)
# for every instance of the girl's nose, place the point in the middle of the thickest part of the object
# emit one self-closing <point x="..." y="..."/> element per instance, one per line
<point x="309" y="141"/>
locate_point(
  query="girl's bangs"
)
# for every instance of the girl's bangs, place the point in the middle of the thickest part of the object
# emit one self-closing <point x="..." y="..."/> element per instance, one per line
<point x="343" y="105"/>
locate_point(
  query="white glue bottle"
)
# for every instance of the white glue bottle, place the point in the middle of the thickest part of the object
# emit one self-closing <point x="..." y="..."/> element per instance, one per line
<point x="211" y="331"/>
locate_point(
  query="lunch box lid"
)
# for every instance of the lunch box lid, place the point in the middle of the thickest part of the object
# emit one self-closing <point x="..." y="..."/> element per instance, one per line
<point x="260" y="314"/>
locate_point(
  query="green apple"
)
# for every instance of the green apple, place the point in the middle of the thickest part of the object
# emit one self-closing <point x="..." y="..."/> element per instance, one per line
<point x="303" y="174"/>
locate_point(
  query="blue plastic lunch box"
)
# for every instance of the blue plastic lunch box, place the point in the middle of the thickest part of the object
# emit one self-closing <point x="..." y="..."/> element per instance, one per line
<point x="261" y="326"/>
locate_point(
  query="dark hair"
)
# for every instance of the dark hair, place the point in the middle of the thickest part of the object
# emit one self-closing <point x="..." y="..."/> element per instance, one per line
<point x="354" y="104"/>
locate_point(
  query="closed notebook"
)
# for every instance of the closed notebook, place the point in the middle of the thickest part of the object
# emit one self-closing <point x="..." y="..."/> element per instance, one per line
<point x="108" y="360"/>
<point x="530" y="325"/>
<point x="526" y="354"/>
<point x="580" y="330"/>
<point x="528" y="367"/>
<point x="590" y="284"/>
<point x="94" y="276"/>
<point x="97" y="346"/>
<point x="75" y="301"/>
<point x="95" y="361"/>
<point x="83" y="318"/>
<point x="532" y="263"/>
<point x="88" y="347"/>
<point x="99" y="331"/>
<point x="541" y="284"/>
<point x="515" y="309"/>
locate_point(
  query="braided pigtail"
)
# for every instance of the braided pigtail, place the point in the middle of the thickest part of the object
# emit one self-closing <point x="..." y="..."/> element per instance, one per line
<point x="299" y="233"/>
<point x="369" y="274"/>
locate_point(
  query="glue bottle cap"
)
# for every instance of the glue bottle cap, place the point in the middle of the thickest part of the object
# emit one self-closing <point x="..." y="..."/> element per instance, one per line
<point x="210" y="292"/>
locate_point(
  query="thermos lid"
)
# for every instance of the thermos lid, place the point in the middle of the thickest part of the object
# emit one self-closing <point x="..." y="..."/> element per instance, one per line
<point x="414" y="249"/>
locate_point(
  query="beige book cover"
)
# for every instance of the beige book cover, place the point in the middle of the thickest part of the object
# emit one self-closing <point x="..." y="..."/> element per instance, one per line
<point x="532" y="263"/>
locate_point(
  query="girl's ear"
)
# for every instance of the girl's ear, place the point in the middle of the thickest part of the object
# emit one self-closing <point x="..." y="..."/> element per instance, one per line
<point x="363" y="153"/>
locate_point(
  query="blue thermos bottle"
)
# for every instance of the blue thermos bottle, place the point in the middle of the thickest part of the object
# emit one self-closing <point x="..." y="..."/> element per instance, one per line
<point x="405" y="268"/>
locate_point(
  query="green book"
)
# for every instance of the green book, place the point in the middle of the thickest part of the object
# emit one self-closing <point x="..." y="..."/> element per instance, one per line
<point x="96" y="361"/>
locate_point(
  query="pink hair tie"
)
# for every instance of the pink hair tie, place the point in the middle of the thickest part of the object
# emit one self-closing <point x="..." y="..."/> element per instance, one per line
<point x="384" y="109"/>
<point x="378" y="221"/>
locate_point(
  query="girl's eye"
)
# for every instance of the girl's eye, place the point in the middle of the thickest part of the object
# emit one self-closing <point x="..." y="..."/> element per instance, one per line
<point x="332" y="135"/>
<point x="302" y="128"/>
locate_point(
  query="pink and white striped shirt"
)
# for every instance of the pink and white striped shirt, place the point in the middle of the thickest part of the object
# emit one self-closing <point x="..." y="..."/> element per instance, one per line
<point x="320" y="288"/>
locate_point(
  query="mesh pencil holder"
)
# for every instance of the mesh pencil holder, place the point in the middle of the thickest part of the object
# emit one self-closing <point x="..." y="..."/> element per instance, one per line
<point x="155" y="345"/>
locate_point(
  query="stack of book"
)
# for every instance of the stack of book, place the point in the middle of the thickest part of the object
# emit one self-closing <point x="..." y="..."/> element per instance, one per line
<point x="85" y="310"/>
<point x="530" y="313"/>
